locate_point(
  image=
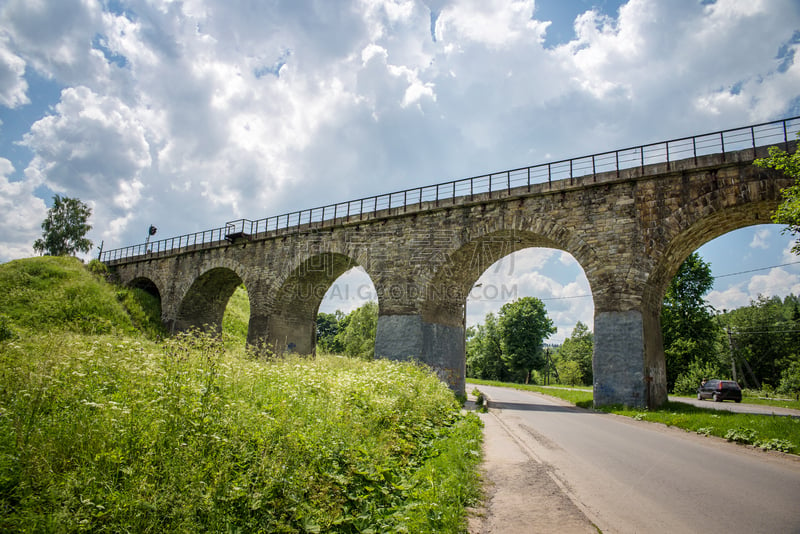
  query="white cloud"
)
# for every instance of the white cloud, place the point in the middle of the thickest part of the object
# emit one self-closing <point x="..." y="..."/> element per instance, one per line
<point x="13" y="86"/>
<point x="21" y="214"/>
<point x="731" y="298"/>
<point x="760" y="239"/>
<point x="777" y="282"/>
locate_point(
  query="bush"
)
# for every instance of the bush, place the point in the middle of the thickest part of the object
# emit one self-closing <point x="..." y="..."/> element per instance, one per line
<point x="688" y="382"/>
<point x="97" y="267"/>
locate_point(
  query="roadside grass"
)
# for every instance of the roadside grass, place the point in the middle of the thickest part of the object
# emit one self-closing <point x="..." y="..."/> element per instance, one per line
<point x="751" y="397"/>
<point x="103" y="429"/>
<point x="768" y="432"/>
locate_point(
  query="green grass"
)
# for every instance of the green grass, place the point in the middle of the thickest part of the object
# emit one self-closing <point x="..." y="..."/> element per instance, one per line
<point x="117" y="432"/>
<point x="749" y="397"/>
<point x="765" y="431"/>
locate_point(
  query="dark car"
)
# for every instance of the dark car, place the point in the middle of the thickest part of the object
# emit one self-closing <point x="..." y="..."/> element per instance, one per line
<point x="720" y="390"/>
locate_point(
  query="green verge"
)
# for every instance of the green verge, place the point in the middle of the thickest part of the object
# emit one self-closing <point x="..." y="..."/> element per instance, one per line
<point x="104" y="429"/>
<point x="769" y="432"/>
<point x="112" y="435"/>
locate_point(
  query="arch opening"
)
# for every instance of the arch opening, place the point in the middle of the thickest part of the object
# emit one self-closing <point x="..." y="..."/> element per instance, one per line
<point x="753" y="273"/>
<point x="293" y="323"/>
<point x="347" y="317"/>
<point x="236" y="318"/>
<point x="443" y="306"/>
<point x="557" y="280"/>
<point x="205" y="302"/>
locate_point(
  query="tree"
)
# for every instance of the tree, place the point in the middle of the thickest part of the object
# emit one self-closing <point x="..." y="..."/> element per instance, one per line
<point x="765" y="339"/>
<point x="790" y="380"/>
<point x="64" y="228"/>
<point x="687" y="325"/>
<point x="484" y="351"/>
<point x="788" y="212"/>
<point x="328" y="326"/>
<point x="524" y="325"/>
<point x="357" y="336"/>
<point x="578" y="348"/>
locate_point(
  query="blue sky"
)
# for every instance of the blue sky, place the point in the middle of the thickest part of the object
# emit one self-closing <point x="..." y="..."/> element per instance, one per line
<point x="188" y="113"/>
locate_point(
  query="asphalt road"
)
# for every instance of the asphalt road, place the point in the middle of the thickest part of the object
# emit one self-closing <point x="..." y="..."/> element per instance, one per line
<point x="632" y="476"/>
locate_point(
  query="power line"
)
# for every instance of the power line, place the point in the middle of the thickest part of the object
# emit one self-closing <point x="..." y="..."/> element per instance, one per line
<point x="755" y="270"/>
<point x="714" y="277"/>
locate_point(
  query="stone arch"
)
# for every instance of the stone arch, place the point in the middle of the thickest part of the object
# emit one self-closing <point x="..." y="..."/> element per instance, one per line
<point x="745" y="201"/>
<point x="203" y="304"/>
<point x="292" y="323"/>
<point x="440" y="325"/>
<point x="708" y="225"/>
<point x="445" y="295"/>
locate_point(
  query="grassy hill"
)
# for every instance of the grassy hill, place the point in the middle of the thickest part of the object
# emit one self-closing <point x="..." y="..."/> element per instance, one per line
<point x="106" y="428"/>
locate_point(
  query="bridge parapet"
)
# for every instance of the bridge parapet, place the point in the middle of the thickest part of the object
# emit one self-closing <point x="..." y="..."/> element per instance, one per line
<point x="625" y="164"/>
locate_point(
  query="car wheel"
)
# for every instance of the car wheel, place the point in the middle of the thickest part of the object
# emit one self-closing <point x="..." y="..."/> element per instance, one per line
<point x="738" y="400"/>
<point x="699" y="397"/>
<point x="717" y="398"/>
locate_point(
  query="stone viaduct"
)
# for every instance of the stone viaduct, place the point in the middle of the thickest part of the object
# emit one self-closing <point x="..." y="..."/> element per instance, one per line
<point x="629" y="229"/>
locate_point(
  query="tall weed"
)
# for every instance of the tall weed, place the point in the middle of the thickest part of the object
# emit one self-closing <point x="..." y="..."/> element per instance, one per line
<point x="114" y="434"/>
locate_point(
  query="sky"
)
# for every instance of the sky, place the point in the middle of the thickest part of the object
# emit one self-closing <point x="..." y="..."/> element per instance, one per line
<point x="188" y="114"/>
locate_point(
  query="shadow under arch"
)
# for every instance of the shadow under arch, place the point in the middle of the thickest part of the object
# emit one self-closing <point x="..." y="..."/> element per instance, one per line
<point x="292" y="323"/>
<point x="204" y="303"/>
<point x="147" y="285"/>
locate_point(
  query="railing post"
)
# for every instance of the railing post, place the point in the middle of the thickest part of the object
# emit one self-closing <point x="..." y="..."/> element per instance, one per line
<point x="694" y="149"/>
<point x="454" y="191"/>
<point x="722" y="143"/>
<point x="785" y="137"/>
<point x="641" y="153"/>
<point x="616" y="161"/>
<point x="471" y="189"/>
<point x="753" y="137"/>
<point x="549" y="176"/>
<point x="529" y="179"/>
<point x="437" y="195"/>
<point x="667" y="145"/>
<point x="508" y="181"/>
<point x="594" y="170"/>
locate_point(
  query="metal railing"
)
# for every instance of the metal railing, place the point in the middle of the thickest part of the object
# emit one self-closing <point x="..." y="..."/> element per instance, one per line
<point x="721" y="142"/>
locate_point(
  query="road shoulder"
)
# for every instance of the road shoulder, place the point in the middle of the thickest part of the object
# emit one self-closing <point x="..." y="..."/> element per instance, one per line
<point x="521" y="496"/>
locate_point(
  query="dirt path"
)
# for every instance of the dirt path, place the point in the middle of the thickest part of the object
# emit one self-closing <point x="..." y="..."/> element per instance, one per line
<point x="521" y="496"/>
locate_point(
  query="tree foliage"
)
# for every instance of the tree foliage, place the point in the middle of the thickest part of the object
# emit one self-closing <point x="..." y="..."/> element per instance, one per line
<point x="352" y="334"/>
<point x="764" y="339"/>
<point x="484" y="351"/>
<point x="65" y="228"/>
<point x="788" y="212"/>
<point x="328" y="326"/>
<point x="524" y="325"/>
<point x="508" y="347"/>
<point x="687" y="325"/>
<point x="578" y="348"/>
